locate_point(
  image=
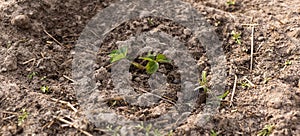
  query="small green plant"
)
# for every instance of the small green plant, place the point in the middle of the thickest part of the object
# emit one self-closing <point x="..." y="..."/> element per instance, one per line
<point x="119" y="54"/>
<point x="149" y="130"/>
<point x="114" y="131"/>
<point x="288" y="62"/>
<point x="230" y="2"/>
<point x="153" y="60"/>
<point x="22" y="117"/>
<point x="213" y="133"/>
<point x="44" y="77"/>
<point x="145" y="128"/>
<point x="150" y="21"/>
<point x="45" y="89"/>
<point x="236" y="36"/>
<point x="170" y="133"/>
<point x="266" y="131"/>
<point x="31" y="75"/>
<point x="203" y="82"/>
<point x="245" y="85"/>
<point x="224" y="95"/>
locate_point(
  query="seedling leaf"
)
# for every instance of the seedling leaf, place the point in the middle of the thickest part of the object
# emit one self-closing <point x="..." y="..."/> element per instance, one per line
<point x="22" y="117"/>
<point x="152" y="67"/>
<point x="146" y="58"/>
<point x="119" y="54"/>
<point x="224" y="95"/>
<point x="266" y="131"/>
<point x="162" y="58"/>
<point x="45" y="89"/>
<point x="151" y="56"/>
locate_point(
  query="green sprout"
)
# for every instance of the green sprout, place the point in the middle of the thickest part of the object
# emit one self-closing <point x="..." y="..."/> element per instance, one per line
<point x="224" y="95"/>
<point x="245" y="85"/>
<point x="22" y="117"/>
<point x="213" y="133"/>
<point x="31" y="75"/>
<point x="44" y="77"/>
<point x="45" y="89"/>
<point x="115" y="130"/>
<point x="170" y="133"/>
<point x="153" y="62"/>
<point x="150" y="21"/>
<point x="119" y="54"/>
<point x="266" y="131"/>
<point x="203" y="82"/>
<point x="151" y="66"/>
<point x="236" y="36"/>
<point x="286" y="63"/>
<point x="230" y="2"/>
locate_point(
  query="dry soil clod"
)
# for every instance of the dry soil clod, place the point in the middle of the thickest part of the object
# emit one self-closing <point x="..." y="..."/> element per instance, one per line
<point x="21" y="21"/>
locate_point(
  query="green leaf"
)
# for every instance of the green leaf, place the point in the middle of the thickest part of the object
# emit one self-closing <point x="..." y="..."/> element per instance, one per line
<point x="152" y="67"/>
<point x="146" y="58"/>
<point x="162" y="58"/>
<point x="203" y="78"/>
<point x="119" y="54"/>
<point x="151" y="56"/>
<point x="224" y="95"/>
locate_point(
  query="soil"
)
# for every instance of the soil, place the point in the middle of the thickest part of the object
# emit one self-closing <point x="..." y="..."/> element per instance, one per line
<point x="37" y="38"/>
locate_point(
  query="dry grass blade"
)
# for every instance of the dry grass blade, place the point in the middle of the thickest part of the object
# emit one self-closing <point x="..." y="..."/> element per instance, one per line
<point x="233" y="90"/>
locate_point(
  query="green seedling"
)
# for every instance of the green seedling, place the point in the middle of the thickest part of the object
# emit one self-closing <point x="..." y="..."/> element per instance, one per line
<point x="119" y="54"/>
<point x="288" y="62"/>
<point x="157" y="133"/>
<point x="22" y="117"/>
<point x="9" y="44"/>
<point x="149" y="130"/>
<point x="145" y="128"/>
<point x="114" y="131"/>
<point x="203" y="82"/>
<point x="266" y="131"/>
<point x="44" y="77"/>
<point x="224" y="95"/>
<point x="170" y="133"/>
<point x="31" y="75"/>
<point x="150" y="21"/>
<point x="245" y="85"/>
<point x="213" y="133"/>
<point x="236" y="36"/>
<point x="230" y="2"/>
<point x="153" y="60"/>
<point x="45" y="89"/>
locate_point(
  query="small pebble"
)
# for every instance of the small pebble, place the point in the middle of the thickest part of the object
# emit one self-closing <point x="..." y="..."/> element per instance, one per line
<point x="260" y="38"/>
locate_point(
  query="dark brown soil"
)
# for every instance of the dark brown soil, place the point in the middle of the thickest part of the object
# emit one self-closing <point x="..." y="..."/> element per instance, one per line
<point x="30" y="58"/>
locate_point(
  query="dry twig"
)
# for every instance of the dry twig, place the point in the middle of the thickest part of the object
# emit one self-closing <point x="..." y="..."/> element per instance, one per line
<point x="158" y="96"/>
<point x="252" y="44"/>
<point x="64" y="102"/>
<point x="72" y="125"/>
<point x="69" y="78"/>
<point x="59" y="43"/>
<point x="233" y="90"/>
